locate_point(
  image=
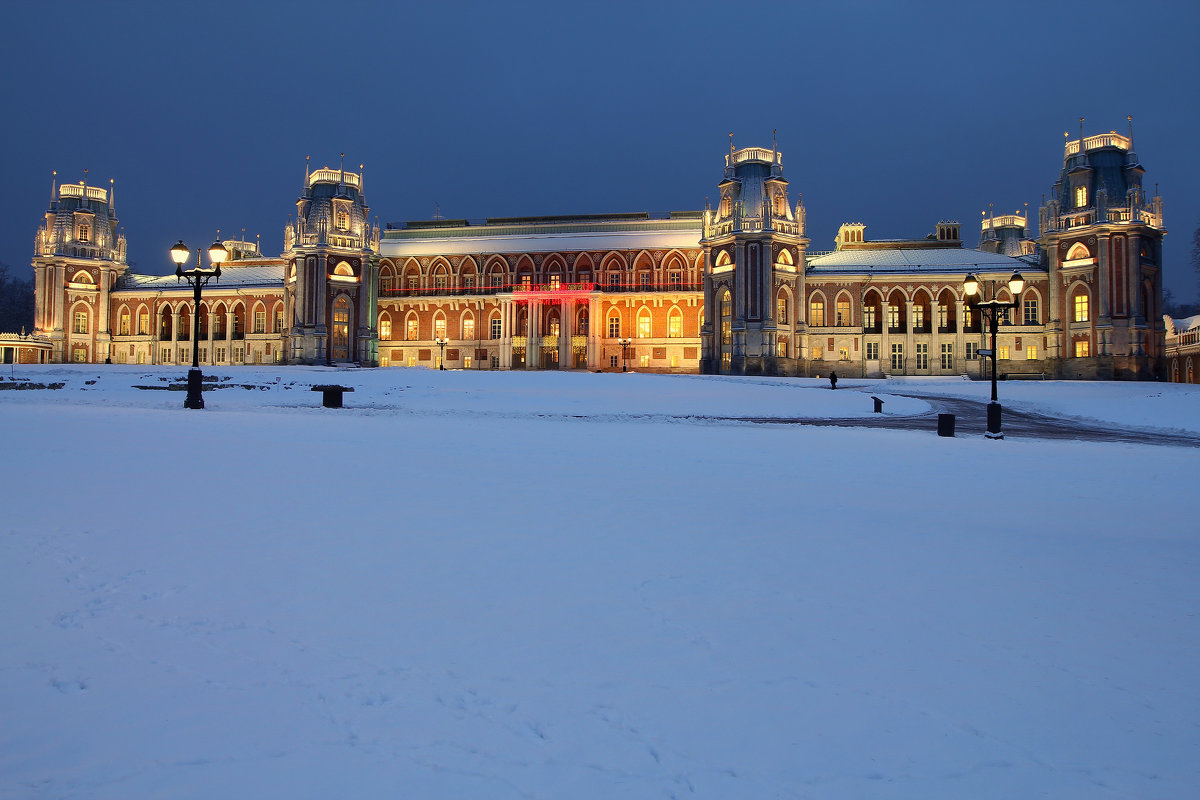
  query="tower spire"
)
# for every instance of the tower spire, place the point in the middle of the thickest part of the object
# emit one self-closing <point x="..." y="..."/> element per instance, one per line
<point x="1130" y="118"/>
<point x="341" y="169"/>
<point x="306" y="171"/>
<point x="53" y="181"/>
<point x="112" y="190"/>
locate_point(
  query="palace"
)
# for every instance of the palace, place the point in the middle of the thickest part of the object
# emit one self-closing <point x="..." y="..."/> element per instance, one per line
<point x="733" y="289"/>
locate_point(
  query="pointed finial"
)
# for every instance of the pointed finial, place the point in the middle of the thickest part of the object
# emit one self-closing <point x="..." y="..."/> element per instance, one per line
<point x="731" y="141"/>
<point x="1130" y="119"/>
<point x="306" y="160"/>
<point x="1081" y="134"/>
<point x="53" y="181"/>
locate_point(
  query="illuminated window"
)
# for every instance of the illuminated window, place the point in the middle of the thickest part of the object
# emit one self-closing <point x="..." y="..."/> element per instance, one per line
<point x="1002" y="352"/>
<point x="468" y="328"/>
<point x="897" y="358"/>
<point x="893" y="313"/>
<point x="278" y="321"/>
<point x="818" y="354"/>
<point x="947" y="355"/>
<point x="81" y="322"/>
<point x="1031" y="352"/>
<point x="1081" y="308"/>
<point x="674" y="360"/>
<point x="726" y="320"/>
<point x="922" y="356"/>
<point x="943" y="316"/>
<point x="872" y="351"/>
<point x="124" y="329"/>
<point x="843" y="353"/>
<point x="385" y="327"/>
<point x="496" y="327"/>
<point x="84" y="232"/>
<point x="781" y="347"/>
<point x="1080" y="196"/>
<point x="1081" y="349"/>
<point x="143" y="322"/>
<point x="412" y="361"/>
<point x="439" y="328"/>
<point x="643" y="326"/>
<point x="816" y="312"/>
<point x="526" y="282"/>
<point x="164" y="356"/>
<point x="411" y="333"/>
<point x="466" y="362"/>
<point x="869" y="321"/>
<point x="555" y="282"/>
<point x="781" y="310"/>
<point x="675" y="325"/>
<point x="918" y="321"/>
<point x="843" y="312"/>
<point x="385" y="284"/>
<point x="343" y="221"/>
<point x="555" y="328"/>
<point x="260" y="321"/>
<point x="726" y="360"/>
<point x="614" y="327"/>
<point x="644" y="361"/>
<point x="341" y="331"/>
<point x="1031" y="311"/>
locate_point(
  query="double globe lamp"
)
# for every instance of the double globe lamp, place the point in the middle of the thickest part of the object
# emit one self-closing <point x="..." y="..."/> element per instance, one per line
<point x="993" y="310"/>
<point x="197" y="278"/>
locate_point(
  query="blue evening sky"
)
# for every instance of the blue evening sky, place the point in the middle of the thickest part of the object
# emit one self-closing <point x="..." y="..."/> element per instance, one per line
<point x="893" y="114"/>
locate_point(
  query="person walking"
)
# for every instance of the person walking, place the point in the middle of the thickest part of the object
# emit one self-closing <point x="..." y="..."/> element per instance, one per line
<point x="832" y="379"/>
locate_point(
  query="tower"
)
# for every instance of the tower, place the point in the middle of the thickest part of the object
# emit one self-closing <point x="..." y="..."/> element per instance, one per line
<point x="79" y="252"/>
<point x="754" y="248"/>
<point x="331" y="272"/>
<point x="1102" y="239"/>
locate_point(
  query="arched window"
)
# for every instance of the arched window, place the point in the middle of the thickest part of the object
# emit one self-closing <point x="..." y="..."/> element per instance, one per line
<point x="341" y="329"/>
<point x="675" y="324"/>
<point x="1029" y="309"/>
<point x="643" y="324"/>
<point x="495" y="326"/>
<point x="723" y="258"/>
<point x="842" y="310"/>
<point x="781" y="308"/>
<point x="343" y="269"/>
<point x="614" y="325"/>
<point x="1191" y="375"/>
<point x="468" y="326"/>
<point x="143" y="321"/>
<point x="439" y="326"/>
<point x="123" y="326"/>
<point x="1081" y="196"/>
<point x="726" y="330"/>
<point x="259" y="319"/>
<point x="1078" y="251"/>
<point x="385" y="326"/>
<point x="84" y="277"/>
<point x="79" y="322"/>
<point x="583" y="322"/>
<point x="164" y="325"/>
<point x="872" y="313"/>
<point x="816" y="311"/>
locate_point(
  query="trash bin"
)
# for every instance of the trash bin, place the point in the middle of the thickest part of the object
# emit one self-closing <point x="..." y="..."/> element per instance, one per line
<point x="945" y="424"/>
<point x="878" y="405"/>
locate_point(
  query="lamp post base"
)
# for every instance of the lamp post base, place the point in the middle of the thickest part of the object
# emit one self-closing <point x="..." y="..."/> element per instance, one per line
<point x="195" y="389"/>
<point x="994" y="430"/>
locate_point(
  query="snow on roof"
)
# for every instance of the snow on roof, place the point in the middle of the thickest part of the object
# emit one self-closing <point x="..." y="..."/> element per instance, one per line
<point x="918" y="259"/>
<point x="249" y="275"/>
<point x="1186" y="323"/>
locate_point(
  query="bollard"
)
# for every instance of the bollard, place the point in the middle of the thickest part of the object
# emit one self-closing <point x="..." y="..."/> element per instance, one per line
<point x="878" y="405"/>
<point x="945" y="424"/>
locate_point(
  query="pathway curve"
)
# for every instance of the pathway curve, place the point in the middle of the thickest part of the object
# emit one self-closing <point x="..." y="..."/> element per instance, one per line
<point x="971" y="419"/>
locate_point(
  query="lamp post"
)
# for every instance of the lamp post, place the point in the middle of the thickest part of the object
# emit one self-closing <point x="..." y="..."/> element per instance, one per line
<point x="441" y="343"/>
<point x="991" y="310"/>
<point x="197" y="278"/>
<point x="624" y="352"/>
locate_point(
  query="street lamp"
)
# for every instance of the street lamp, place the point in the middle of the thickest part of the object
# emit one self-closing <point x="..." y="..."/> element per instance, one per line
<point x="624" y="352"/>
<point x="991" y="310"/>
<point x="441" y="343"/>
<point x="197" y="278"/>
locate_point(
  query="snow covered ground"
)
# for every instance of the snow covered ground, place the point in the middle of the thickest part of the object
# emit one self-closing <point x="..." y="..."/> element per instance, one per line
<point x="508" y="585"/>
